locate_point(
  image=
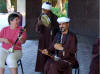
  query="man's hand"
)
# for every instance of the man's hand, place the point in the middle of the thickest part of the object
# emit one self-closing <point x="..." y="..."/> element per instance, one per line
<point x="39" y="21"/>
<point x="58" y="46"/>
<point x="45" y="51"/>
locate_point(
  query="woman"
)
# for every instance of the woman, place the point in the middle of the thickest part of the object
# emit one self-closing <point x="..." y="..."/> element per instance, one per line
<point x="8" y="36"/>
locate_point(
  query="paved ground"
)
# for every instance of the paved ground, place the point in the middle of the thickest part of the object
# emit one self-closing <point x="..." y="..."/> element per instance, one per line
<point x="84" y="53"/>
<point x="30" y="53"/>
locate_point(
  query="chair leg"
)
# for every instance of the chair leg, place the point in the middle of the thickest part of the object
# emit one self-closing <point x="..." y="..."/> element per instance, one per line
<point x="21" y="67"/>
<point x="75" y="71"/>
<point x="78" y="70"/>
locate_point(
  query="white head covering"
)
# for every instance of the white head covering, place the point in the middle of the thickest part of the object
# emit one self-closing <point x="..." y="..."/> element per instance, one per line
<point x="46" y="6"/>
<point x="63" y="20"/>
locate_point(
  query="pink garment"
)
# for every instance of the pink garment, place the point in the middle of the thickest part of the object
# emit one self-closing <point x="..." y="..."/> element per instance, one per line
<point x="11" y="34"/>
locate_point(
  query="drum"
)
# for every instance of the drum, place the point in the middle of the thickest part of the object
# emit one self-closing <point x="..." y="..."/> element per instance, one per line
<point x="45" y="20"/>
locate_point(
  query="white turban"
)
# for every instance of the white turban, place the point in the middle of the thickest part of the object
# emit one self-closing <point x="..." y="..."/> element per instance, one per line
<point x="46" y="6"/>
<point x="63" y="20"/>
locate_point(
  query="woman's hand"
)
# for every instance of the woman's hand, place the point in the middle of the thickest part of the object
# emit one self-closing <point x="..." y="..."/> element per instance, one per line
<point x="5" y="40"/>
<point x="21" y="39"/>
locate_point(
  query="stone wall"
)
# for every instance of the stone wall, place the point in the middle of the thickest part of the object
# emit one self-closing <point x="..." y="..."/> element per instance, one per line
<point x="84" y="16"/>
<point x="33" y="10"/>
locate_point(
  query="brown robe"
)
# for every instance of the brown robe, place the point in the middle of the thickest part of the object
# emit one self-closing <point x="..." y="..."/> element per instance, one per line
<point x="45" y="39"/>
<point x="94" y="66"/>
<point x="61" y="67"/>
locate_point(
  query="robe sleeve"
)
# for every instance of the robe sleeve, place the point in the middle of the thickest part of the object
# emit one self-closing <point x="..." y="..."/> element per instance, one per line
<point x="51" y="47"/>
<point x="36" y="26"/>
<point x="96" y="48"/>
<point x="71" y="47"/>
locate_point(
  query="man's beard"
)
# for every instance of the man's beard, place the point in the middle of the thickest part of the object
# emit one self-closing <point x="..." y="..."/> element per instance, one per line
<point x="62" y="29"/>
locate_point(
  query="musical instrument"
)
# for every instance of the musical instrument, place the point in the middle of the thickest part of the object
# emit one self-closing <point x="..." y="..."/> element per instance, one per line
<point x="11" y="50"/>
<point x="59" y="41"/>
<point x="56" y="58"/>
<point x="45" y="20"/>
<point x="46" y="54"/>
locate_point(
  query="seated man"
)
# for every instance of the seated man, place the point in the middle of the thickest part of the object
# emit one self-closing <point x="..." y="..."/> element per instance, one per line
<point x="62" y="50"/>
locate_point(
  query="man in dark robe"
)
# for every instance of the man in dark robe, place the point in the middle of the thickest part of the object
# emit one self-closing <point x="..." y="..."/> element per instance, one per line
<point x="62" y="50"/>
<point x="47" y="33"/>
<point x="94" y="66"/>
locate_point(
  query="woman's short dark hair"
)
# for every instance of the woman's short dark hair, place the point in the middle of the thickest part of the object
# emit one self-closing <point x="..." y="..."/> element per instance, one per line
<point x="12" y="16"/>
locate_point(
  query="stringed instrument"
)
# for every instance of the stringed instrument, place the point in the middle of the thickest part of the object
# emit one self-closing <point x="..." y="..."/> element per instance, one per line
<point x="11" y="50"/>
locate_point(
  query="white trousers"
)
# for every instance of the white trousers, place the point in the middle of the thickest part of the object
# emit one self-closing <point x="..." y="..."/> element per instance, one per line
<point x="11" y="59"/>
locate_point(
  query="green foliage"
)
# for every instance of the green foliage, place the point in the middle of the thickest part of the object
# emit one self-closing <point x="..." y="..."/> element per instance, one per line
<point x="57" y="12"/>
<point x="14" y="3"/>
<point x="3" y="8"/>
<point x="66" y="8"/>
